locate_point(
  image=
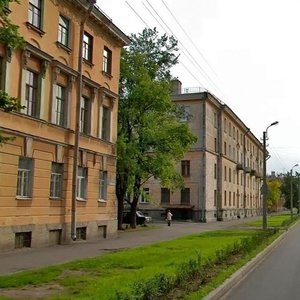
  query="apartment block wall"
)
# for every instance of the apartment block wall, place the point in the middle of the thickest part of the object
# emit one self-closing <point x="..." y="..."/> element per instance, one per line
<point x="225" y="176"/>
<point x="41" y="139"/>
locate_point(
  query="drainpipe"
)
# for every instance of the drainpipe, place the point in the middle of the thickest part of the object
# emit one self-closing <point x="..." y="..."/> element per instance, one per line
<point x="244" y="162"/>
<point x="77" y="122"/>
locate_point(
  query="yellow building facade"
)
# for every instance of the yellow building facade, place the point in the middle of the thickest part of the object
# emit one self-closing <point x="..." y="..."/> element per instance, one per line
<point x="55" y="76"/>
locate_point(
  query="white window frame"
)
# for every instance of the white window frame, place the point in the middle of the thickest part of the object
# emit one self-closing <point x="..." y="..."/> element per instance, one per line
<point x="107" y="61"/>
<point x="144" y="197"/>
<point x="56" y="183"/>
<point x="87" y="48"/>
<point x="62" y="111"/>
<point x="85" y="114"/>
<point x="35" y="13"/>
<point x="64" y="31"/>
<point x="103" y="185"/>
<point x="81" y="192"/>
<point x="32" y="97"/>
<point x="25" y="178"/>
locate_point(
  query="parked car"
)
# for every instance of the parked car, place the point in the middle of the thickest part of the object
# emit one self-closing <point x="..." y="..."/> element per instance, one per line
<point x="140" y="218"/>
<point x="140" y="215"/>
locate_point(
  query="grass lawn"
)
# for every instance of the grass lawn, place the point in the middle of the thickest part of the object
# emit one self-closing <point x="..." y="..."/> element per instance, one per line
<point x="101" y="277"/>
<point x="272" y="221"/>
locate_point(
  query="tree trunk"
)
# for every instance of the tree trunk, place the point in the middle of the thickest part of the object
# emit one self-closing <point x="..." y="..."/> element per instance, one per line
<point x="121" y="188"/>
<point x="136" y="195"/>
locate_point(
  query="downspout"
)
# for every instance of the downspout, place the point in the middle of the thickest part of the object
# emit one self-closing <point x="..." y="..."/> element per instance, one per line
<point x="244" y="165"/>
<point x="77" y="122"/>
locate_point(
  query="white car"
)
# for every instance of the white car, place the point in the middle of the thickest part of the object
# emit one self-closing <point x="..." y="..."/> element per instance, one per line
<point x="139" y="214"/>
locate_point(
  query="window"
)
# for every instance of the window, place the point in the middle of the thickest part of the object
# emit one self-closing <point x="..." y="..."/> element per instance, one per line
<point x="87" y="50"/>
<point x="25" y="176"/>
<point x="229" y="174"/>
<point x="81" y="183"/>
<point x="107" y="60"/>
<point x="63" y="31"/>
<point x="35" y="13"/>
<point x="215" y="144"/>
<point x="165" y="195"/>
<point x="186" y="113"/>
<point x="31" y="101"/>
<point x="23" y="239"/>
<point x="81" y="233"/>
<point x="60" y="106"/>
<point x="56" y="180"/>
<point x="185" y="168"/>
<point x="215" y="197"/>
<point x="105" y="124"/>
<point x="145" y="196"/>
<point x="103" y="185"/>
<point x="215" y="120"/>
<point x="84" y="115"/>
<point x="185" y="196"/>
<point x="225" y="173"/>
<point x="215" y="171"/>
<point x="225" y="198"/>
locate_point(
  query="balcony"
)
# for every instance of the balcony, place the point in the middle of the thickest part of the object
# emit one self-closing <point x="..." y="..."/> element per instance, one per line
<point x="239" y="167"/>
<point x="247" y="169"/>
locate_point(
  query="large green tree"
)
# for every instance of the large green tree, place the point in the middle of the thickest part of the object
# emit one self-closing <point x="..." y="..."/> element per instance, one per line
<point x="286" y="189"/>
<point x="9" y="36"/>
<point x="150" y="137"/>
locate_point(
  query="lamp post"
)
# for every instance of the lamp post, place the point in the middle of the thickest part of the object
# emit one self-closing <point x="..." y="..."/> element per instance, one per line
<point x="264" y="186"/>
<point x="291" y="190"/>
<point x="77" y="121"/>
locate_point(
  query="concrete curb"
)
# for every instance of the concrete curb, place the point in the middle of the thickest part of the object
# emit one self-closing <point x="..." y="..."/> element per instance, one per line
<point x="244" y="271"/>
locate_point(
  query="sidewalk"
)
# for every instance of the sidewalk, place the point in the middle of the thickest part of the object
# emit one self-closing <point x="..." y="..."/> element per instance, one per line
<point x="30" y="258"/>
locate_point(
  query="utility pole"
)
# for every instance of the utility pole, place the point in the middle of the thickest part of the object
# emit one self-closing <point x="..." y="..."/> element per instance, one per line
<point x="265" y="186"/>
<point x="291" y="191"/>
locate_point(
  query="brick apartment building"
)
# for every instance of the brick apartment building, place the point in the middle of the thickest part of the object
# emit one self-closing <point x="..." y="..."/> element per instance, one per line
<point x="50" y="75"/>
<point x="222" y="172"/>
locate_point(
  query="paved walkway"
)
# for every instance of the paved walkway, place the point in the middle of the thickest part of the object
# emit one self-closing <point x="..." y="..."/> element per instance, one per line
<point x="30" y="258"/>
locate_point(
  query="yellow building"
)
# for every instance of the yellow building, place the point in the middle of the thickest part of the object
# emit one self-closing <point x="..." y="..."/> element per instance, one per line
<point x="222" y="172"/>
<point x="50" y="75"/>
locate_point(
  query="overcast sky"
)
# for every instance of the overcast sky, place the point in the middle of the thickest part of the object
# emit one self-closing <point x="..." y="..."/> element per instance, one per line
<point x="246" y="52"/>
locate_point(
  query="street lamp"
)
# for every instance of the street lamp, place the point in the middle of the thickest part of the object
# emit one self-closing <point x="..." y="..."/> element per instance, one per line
<point x="264" y="186"/>
<point x="291" y="190"/>
<point x="77" y="120"/>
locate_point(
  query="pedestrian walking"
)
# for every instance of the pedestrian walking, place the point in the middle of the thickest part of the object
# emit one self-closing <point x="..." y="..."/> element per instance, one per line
<point x="169" y="217"/>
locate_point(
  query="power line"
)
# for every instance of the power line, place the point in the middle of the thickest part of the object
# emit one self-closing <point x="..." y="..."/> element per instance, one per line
<point x="189" y="38"/>
<point x="195" y="63"/>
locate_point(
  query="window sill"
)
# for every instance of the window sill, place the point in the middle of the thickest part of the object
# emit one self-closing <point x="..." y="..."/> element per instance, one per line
<point x="55" y="198"/>
<point x="107" y="75"/>
<point x="36" y="29"/>
<point x="81" y="199"/>
<point x="23" y="198"/>
<point x="87" y="62"/>
<point x="102" y="201"/>
<point x="64" y="47"/>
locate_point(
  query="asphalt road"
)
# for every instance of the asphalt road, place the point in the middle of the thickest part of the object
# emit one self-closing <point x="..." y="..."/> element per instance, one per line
<point x="277" y="277"/>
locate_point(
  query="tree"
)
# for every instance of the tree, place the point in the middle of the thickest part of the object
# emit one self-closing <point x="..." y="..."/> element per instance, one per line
<point x="9" y="36"/>
<point x="274" y="192"/>
<point x="150" y="137"/>
<point x="286" y="189"/>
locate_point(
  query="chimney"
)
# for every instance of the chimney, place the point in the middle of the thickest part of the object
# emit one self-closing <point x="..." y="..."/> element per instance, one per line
<point x="176" y="87"/>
